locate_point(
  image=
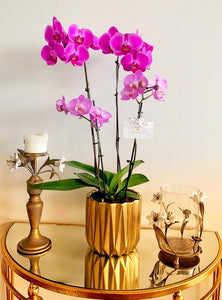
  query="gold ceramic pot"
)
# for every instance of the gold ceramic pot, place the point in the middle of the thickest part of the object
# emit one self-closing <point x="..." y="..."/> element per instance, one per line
<point x="112" y="229"/>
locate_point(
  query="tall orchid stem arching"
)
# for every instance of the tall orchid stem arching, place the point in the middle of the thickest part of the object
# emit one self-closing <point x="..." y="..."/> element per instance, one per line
<point x="92" y="131"/>
<point x="117" y="115"/>
<point x="97" y="163"/>
<point x="134" y="150"/>
<point x="133" y="55"/>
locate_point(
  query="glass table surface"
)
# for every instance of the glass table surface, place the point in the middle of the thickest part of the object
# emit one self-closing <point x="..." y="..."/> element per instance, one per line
<point x="70" y="261"/>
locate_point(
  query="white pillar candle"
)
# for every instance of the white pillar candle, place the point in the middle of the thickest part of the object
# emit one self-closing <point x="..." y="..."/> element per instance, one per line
<point x="36" y="143"/>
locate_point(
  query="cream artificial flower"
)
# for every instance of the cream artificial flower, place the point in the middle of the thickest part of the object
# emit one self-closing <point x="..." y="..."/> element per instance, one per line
<point x="155" y="218"/>
<point x="157" y="198"/>
<point x="14" y="162"/>
<point x="61" y="164"/>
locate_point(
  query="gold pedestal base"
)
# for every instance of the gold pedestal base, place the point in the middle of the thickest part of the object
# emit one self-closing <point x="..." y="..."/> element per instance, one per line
<point x="31" y="246"/>
<point x="183" y="262"/>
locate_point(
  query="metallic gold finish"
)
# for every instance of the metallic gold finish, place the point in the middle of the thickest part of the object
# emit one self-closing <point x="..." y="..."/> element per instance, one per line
<point x="33" y="291"/>
<point x="35" y="243"/>
<point x="181" y="262"/>
<point x="9" y="262"/>
<point x="10" y="276"/>
<point x="35" y="155"/>
<point x="181" y="257"/>
<point x="34" y="262"/>
<point x="178" y="296"/>
<point x="112" y="273"/>
<point x="112" y="229"/>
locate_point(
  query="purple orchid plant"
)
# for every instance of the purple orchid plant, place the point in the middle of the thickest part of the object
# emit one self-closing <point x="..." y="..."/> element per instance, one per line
<point x="134" y="56"/>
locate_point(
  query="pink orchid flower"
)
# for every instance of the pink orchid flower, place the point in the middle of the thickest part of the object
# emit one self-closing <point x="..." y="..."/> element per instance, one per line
<point x="134" y="84"/>
<point x="61" y="105"/>
<point x="104" y="40"/>
<point x="146" y="48"/>
<point x="95" y="43"/>
<point x="80" y="106"/>
<point x="51" y="52"/>
<point x="55" y="32"/>
<point x="99" y="116"/>
<point x="159" y="88"/>
<point x="128" y="93"/>
<point x="121" y="44"/>
<point x="76" y="55"/>
<point x="80" y="36"/>
<point x="136" y="61"/>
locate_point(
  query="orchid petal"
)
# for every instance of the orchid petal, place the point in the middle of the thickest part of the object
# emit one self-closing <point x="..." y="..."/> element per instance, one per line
<point x="104" y="43"/>
<point x="79" y="106"/>
<point x="135" y="41"/>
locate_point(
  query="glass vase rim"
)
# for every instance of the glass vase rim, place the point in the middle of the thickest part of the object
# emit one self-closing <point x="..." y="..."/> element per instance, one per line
<point x="193" y="189"/>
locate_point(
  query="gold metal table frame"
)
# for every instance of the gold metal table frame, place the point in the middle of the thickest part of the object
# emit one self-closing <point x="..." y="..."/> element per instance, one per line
<point x="29" y="268"/>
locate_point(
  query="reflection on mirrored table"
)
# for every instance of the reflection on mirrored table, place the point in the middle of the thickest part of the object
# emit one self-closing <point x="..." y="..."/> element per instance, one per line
<point x="71" y="267"/>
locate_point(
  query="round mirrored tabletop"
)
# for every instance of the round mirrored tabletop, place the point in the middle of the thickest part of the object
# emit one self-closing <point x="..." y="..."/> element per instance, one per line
<point x="71" y="268"/>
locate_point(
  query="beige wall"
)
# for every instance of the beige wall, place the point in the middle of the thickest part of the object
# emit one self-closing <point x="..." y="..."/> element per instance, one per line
<point x="187" y="144"/>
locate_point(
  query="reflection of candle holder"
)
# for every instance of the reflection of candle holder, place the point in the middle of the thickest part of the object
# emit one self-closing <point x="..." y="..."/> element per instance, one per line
<point x="34" y="261"/>
<point x="35" y="242"/>
<point x="112" y="273"/>
<point x="33" y="289"/>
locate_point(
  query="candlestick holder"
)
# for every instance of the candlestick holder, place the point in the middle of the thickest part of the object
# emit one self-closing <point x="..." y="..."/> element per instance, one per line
<point x="35" y="242"/>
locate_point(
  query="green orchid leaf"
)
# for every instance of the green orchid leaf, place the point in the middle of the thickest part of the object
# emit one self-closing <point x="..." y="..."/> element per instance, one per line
<point x="129" y="194"/>
<point x="91" y="169"/>
<point x="117" y="177"/>
<point x="109" y="176"/>
<point x="82" y="166"/>
<point x="61" y="185"/>
<point x="135" y="179"/>
<point x="88" y="179"/>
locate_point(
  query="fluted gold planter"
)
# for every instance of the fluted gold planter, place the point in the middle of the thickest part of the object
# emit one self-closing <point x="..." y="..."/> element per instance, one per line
<point x="112" y="273"/>
<point x="112" y="229"/>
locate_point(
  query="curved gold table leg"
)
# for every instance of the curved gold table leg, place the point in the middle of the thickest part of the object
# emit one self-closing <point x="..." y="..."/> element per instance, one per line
<point x="178" y="296"/>
<point x="214" y="292"/>
<point x="10" y="276"/>
<point x="11" y="291"/>
<point x="33" y="291"/>
<point x="217" y="282"/>
<point x="8" y="292"/>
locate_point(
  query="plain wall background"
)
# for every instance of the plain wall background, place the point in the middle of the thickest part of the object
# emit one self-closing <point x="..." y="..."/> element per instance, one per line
<point x="187" y="144"/>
